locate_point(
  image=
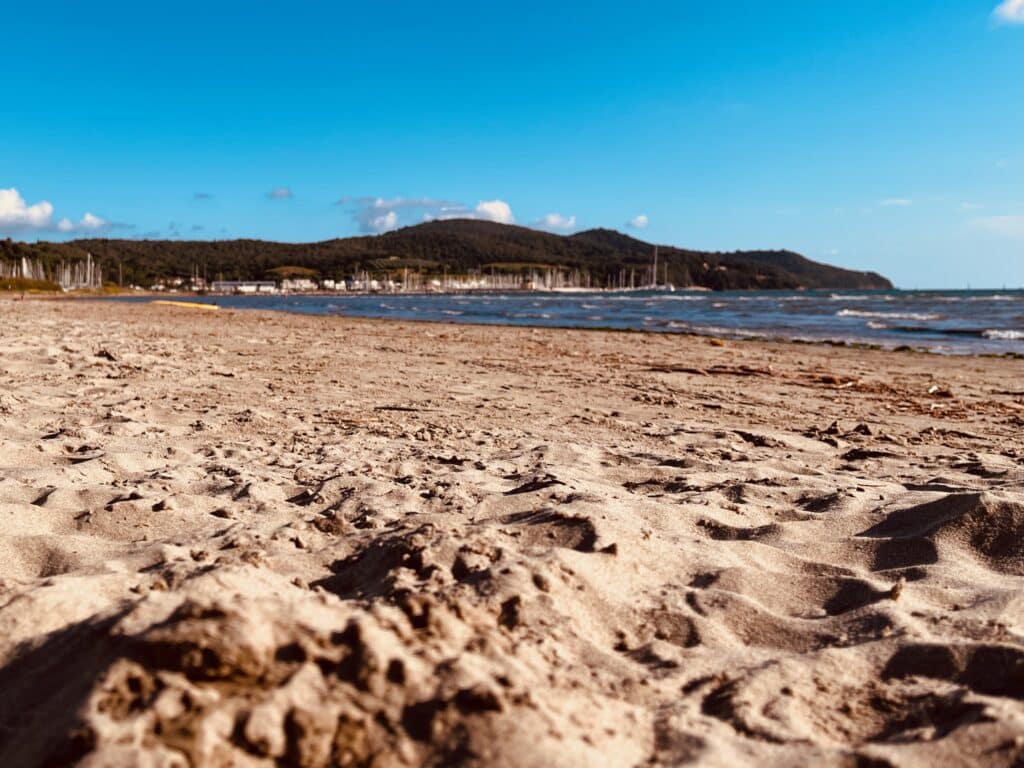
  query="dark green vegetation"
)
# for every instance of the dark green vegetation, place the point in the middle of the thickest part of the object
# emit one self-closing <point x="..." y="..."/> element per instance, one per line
<point x="462" y="246"/>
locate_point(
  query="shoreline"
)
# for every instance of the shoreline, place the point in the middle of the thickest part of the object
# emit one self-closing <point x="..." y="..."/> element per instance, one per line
<point x="739" y="337"/>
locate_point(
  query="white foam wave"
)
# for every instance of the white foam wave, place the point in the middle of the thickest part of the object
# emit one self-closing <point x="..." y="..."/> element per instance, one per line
<point x="713" y="330"/>
<point x="1003" y="335"/>
<point x="922" y="316"/>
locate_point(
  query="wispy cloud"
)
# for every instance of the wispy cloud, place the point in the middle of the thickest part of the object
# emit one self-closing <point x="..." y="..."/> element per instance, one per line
<point x="202" y="196"/>
<point x="1009" y="12"/>
<point x="398" y="203"/>
<point x="17" y="216"/>
<point x="556" y="222"/>
<point x="640" y="221"/>
<point x="897" y="202"/>
<point x="88" y="223"/>
<point x="967" y="206"/>
<point x="1002" y="226"/>
<point x="378" y="214"/>
<point x="280" y="193"/>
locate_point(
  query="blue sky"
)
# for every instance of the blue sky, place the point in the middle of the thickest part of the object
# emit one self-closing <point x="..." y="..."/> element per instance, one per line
<point x="875" y="135"/>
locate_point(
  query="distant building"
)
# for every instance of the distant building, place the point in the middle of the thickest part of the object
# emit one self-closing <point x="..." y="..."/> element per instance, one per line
<point x="243" y="286"/>
<point x="298" y="285"/>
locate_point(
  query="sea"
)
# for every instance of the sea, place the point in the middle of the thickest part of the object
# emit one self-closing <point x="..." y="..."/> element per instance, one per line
<point x="946" y="322"/>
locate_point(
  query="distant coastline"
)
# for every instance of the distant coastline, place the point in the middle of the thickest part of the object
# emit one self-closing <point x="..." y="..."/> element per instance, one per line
<point x="452" y="254"/>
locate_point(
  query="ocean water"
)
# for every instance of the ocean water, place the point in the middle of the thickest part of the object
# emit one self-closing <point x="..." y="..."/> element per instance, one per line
<point x="949" y="322"/>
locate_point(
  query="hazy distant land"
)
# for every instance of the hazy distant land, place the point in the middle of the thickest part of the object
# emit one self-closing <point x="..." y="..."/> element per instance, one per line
<point x="602" y="258"/>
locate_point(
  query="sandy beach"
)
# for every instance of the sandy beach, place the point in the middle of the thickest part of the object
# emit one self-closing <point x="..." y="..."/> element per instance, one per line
<point x="239" y="538"/>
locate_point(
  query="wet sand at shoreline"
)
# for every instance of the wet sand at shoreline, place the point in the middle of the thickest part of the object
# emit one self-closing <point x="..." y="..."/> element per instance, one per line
<point x="245" y="538"/>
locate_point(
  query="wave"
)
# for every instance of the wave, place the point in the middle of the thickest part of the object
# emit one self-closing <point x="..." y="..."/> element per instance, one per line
<point x="713" y="330"/>
<point x="1003" y="335"/>
<point x="655" y="299"/>
<point x="994" y="334"/>
<point x="922" y="316"/>
<point x="991" y="297"/>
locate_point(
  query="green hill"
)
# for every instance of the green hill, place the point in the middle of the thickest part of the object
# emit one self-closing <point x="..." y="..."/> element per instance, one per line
<point x="457" y="246"/>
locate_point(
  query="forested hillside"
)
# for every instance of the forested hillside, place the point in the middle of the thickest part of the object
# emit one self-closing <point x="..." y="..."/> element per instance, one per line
<point x="456" y="247"/>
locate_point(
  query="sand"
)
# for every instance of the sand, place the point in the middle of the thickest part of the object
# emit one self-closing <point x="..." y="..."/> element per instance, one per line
<point x="241" y="538"/>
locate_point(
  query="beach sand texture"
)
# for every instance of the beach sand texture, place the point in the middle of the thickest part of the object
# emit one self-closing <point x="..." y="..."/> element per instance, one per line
<point x="242" y="538"/>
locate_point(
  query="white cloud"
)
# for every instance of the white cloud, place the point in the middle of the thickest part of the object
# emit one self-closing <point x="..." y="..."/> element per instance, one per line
<point x="90" y="221"/>
<point x="556" y="222"/>
<point x="1010" y="12"/>
<point x="495" y="210"/>
<point x="639" y="221"/>
<point x="1002" y="226"/>
<point x="965" y="206"/>
<point x="280" y="193"/>
<point x="897" y="202"/>
<point x="16" y="215"/>
<point x="378" y="214"/>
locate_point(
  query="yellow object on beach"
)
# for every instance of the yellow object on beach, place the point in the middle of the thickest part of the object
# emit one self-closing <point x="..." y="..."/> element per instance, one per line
<point x="186" y="304"/>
